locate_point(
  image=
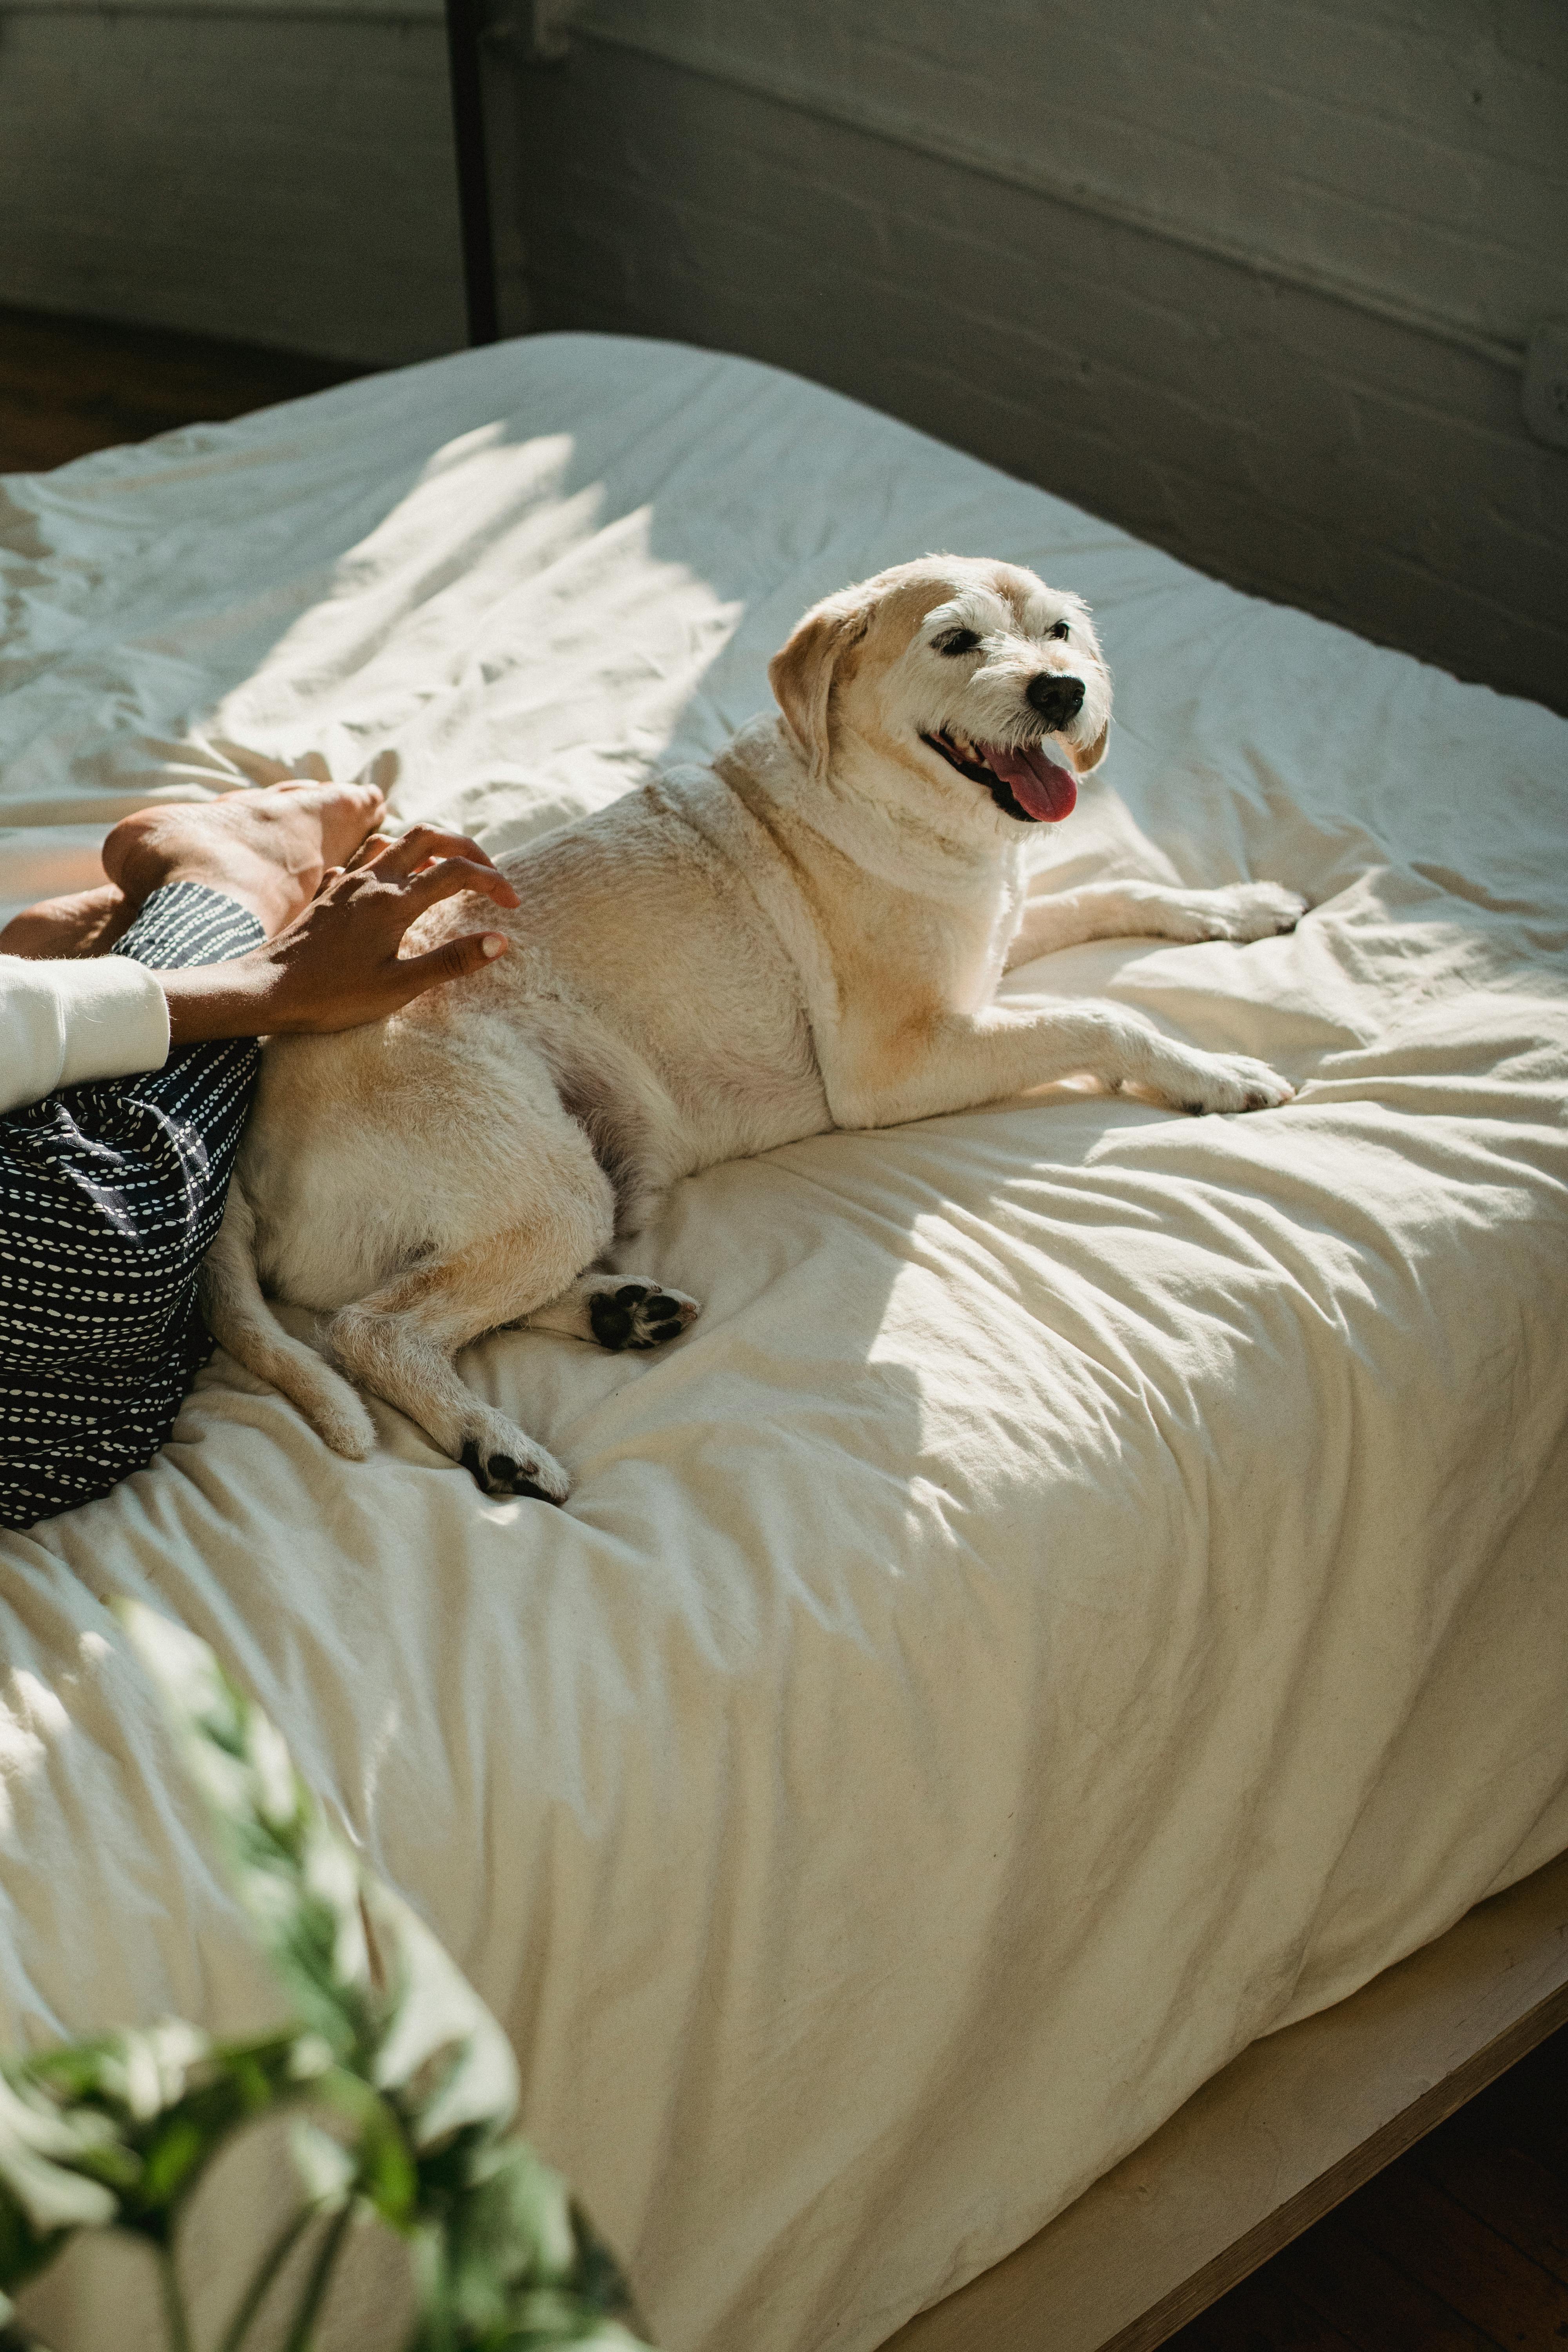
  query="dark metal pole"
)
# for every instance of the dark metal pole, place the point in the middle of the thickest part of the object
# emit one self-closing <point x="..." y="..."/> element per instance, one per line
<point x="473" y="173"/>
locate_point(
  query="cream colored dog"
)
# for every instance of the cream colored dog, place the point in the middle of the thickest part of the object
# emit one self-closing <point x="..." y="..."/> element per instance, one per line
<point x="806" y="935"/>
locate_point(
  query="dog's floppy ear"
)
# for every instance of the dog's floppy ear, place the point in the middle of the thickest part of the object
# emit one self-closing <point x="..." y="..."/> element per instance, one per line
<point x="801" y="673"/>
<point x="1084" y="761"/>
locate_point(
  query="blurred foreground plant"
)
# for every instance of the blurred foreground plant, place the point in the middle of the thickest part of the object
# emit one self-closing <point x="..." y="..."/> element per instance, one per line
<point x="411" y="2081"/>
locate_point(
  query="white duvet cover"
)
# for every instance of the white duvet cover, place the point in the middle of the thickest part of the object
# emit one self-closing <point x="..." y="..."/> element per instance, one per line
<point x="1089" y="1590"/>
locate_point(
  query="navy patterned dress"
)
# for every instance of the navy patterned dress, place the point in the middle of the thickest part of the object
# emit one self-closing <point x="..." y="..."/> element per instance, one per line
<point x="110" y="1194"/>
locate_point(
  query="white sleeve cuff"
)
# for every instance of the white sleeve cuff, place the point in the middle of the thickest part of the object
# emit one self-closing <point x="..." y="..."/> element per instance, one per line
<point x="64" y="1024"/>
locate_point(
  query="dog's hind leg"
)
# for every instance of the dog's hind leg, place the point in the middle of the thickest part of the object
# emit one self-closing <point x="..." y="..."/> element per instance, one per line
<point x="401" y="1340"/>
<point x="241" y="1318"/>
<point x="618" y="1310"/>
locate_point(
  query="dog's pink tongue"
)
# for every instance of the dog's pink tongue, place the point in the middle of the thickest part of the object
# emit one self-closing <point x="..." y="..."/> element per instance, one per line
<point x="1036" y="783"/>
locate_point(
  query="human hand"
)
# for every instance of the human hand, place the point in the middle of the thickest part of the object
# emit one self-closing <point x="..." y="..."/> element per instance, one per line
<point x="337" y="965"/>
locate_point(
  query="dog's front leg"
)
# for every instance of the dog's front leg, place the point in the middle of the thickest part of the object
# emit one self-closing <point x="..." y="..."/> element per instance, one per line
<point x="937" y="1062"/>
<point x="1125" y="911"/>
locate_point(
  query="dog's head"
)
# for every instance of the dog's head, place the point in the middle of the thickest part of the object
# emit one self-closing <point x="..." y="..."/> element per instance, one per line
<point x="973" y="677"/>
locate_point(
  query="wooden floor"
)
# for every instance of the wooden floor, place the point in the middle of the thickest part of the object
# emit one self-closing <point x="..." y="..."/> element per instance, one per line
<point x="69" y="385"/>
<point x="1462" y="2246"/>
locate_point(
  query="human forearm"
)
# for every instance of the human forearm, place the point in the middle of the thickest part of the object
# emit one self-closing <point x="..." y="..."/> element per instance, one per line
<point x="220" y="999"/>
<point x="337" y="965"/>
<point x="259" y="995"/>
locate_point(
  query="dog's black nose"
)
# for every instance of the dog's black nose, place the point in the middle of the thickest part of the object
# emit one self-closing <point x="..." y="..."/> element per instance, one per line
<point x="1057" y="699"/>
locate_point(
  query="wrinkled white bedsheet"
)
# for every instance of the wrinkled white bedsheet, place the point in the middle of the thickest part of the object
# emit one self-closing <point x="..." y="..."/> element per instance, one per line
<point x="1089" y="1590"/>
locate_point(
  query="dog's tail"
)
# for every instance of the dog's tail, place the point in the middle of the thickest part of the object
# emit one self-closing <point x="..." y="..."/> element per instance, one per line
<point x="241" y="1318"/>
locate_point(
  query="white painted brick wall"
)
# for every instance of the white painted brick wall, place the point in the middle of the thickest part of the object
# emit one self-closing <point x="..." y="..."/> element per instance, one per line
<point x="1412" y="147"/>
<point x="1335" y="457"/>
<point x="286" y="181"/>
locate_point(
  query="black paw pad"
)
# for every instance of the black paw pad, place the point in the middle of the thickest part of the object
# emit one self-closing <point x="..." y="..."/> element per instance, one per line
<point x="634" y="1316"/>
<point x="611" y="1313"/>
<point x="500" y="1475"/>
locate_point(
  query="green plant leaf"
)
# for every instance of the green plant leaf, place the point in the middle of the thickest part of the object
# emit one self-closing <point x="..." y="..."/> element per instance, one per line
<point x="143" y="2071"/>
<point x="44" y="2198"/>
<point x="174" y="2156"/>
<point x="441" y="2050"/>
<point x="41" y="2145"/>
<point x="296" y="1878"/>
<point x="506" y="2253"/>
<point x="90" y="2109"/>
<point x="396" y="2043"/>
<point x="327" y="2170"/>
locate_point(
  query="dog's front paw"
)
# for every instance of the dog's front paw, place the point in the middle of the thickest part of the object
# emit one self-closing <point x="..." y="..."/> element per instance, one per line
<point x="635" y="1312"/>
<point x="1254" y="910"/>
<point x="501" y="1460"/>
<point x="1223" y="1082"/>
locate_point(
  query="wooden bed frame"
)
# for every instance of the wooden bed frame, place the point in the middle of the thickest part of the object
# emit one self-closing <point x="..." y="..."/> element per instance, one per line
<point x="1266" y="2149"/>
<point x="1299" y="2119"/>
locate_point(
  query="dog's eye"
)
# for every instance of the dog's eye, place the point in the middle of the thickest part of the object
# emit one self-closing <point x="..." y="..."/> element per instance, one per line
<point x="1058" y="630"/>
<point x="957" y="641"/>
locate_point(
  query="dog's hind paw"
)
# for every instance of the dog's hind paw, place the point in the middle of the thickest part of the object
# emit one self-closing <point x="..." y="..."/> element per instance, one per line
<point x="502" y="1461"/>
<point x="635" y="1312"/>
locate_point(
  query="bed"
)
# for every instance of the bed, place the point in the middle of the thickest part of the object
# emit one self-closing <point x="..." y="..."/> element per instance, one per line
<point x="1088" y="1596"/>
